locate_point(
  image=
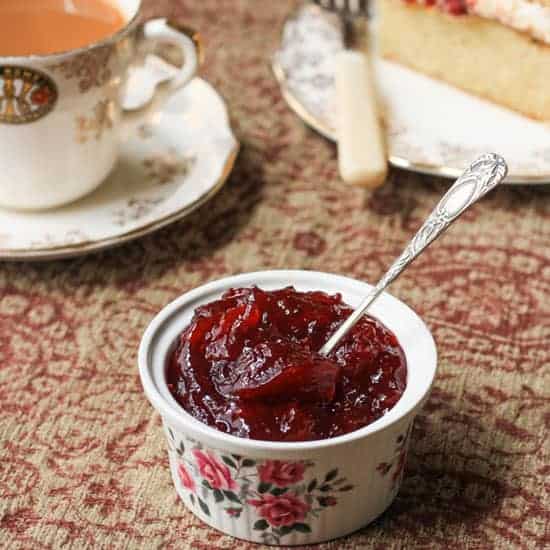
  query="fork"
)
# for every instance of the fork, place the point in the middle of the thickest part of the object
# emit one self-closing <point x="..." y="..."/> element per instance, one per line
<point x="361" y="153"/>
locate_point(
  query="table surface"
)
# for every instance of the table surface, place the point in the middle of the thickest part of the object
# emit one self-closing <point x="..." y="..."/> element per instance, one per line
<point x="82" y="456"/>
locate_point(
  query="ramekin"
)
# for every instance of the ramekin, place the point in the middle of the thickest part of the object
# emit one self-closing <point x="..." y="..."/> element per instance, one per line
<point x="288" y="493"/>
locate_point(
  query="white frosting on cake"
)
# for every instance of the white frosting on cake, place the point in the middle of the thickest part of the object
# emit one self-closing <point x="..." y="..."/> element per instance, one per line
<point x="521" y="15"/>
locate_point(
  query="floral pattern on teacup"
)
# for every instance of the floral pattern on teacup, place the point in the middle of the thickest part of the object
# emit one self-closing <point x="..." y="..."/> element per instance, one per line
<point x="281" y="495"/>
<point x="100" y="120"/>
<point x="92" y="68"/>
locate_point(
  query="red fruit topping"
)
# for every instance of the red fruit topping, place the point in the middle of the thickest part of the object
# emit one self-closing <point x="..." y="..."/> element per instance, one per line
<point x="455" y="7"/>
<point x="248" y="365"/>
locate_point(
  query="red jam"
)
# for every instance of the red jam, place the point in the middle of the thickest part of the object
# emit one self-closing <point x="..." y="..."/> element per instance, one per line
<point x="453" y="7"/>
<point x="247" y="364"/>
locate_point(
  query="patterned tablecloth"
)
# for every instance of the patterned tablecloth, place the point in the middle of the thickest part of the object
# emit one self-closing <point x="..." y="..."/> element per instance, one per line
<point x="82" y="456"/>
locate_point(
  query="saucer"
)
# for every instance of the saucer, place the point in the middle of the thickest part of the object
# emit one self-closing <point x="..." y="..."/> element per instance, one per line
<point x="424" y="134"/>
<point x="171" y="166"/>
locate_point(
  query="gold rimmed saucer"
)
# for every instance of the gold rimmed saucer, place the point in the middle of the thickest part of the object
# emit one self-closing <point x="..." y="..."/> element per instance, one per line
<point x="168" y="169"/>
<point x="424" y="135"/>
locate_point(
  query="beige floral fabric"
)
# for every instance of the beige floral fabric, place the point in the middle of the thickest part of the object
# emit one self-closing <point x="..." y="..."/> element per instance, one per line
<point x="82" y="457"/>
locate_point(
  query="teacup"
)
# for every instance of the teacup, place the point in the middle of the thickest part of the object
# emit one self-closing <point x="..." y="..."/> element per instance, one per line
<point x="62" y="116"/>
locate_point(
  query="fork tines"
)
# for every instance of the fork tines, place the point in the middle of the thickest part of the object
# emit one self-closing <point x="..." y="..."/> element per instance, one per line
<point x="349" y="7"/>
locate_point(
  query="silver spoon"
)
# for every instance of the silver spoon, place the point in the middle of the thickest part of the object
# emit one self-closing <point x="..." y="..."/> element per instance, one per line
<point x="483" y="175"/>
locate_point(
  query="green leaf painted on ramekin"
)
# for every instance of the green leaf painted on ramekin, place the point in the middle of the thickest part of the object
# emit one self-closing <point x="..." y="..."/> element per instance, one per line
<point x="229" y="462"/>
<point x="285" y="530"/>
<point x="230" y="495"/>
<point x="204" y="506"/>
<point x="264" y="487"/>
<point x="261" y="525"/>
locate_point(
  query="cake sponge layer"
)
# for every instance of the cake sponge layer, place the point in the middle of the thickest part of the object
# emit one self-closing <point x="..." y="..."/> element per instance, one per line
<point x="480" y="56"/>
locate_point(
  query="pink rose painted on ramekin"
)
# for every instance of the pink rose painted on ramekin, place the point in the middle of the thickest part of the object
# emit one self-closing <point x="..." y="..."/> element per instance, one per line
<point x="281" y="474"/>
<point x="217" y="475"/>
<point x="281" y="510"/>
<point x="185" y="478"/>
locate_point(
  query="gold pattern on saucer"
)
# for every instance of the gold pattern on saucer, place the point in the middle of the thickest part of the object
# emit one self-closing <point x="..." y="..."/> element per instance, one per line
<point x="25" y="94"/>
<point x="92" y="127"/>
<point x="164" y="168"/>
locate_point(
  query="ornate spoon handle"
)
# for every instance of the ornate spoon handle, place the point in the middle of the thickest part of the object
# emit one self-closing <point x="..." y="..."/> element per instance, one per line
<point x="483" y="175"/>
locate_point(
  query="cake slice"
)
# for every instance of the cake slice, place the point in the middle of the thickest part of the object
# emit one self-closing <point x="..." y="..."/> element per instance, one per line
<point x="496" y="49"/>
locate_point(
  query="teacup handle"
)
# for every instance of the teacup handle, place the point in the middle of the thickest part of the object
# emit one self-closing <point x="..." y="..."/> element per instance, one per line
<point x="156" y="32"/>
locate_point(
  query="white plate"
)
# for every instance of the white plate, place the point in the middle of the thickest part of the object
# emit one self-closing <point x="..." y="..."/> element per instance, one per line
<point x="432" y="128"/>
<point x="173" y="165"/>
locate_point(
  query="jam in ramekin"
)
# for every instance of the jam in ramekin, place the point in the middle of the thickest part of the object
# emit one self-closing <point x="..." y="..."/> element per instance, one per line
<point x="248" y="365"/>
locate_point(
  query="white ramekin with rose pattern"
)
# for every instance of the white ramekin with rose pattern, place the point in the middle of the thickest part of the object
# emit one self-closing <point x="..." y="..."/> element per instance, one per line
<point x="288" y="493"/>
